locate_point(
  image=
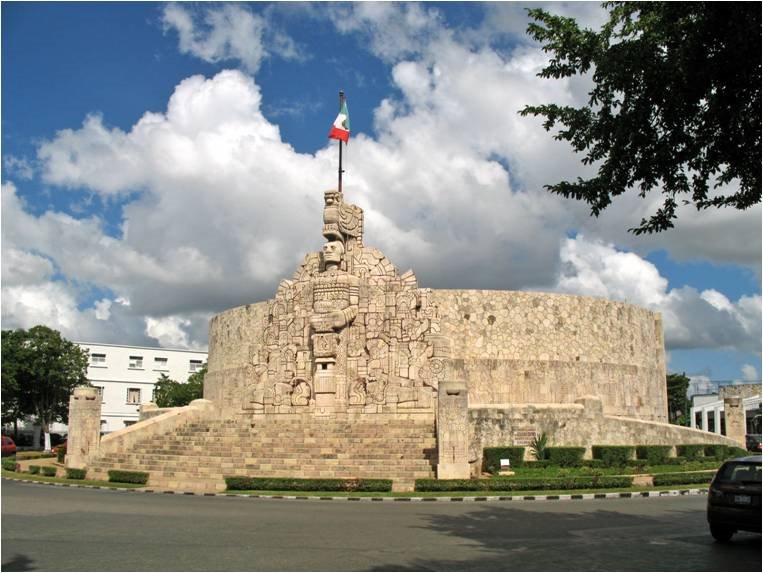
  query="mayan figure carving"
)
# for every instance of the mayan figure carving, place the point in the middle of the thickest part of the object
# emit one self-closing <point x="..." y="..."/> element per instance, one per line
<point x="347" y="333"/>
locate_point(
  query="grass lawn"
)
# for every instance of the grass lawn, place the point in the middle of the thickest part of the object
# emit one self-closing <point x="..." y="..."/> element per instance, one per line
<point x="46" y="479"/>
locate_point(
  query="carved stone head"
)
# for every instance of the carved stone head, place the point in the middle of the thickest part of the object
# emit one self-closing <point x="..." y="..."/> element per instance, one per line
<point x="333" y="253"/>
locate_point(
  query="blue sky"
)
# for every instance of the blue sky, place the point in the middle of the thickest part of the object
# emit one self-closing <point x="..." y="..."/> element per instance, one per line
<point x="162" y="162"/>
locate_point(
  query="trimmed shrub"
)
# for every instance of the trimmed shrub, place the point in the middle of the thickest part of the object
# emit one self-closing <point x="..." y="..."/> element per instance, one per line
<point x="49" y="471"/>
<point x="301" y="484"/>
<point x="491" y="458"/>
<point x="34" y="470"/>
<point x="9" y="465"/>
<point x="75" y="473"/>
<point x="684" y="478"/>
<point x="653" y="455"/>
<point x="521" y="484"/>
<point x="691" y="451"/>
<point x="538" y="464"/>
<point x="736" y="452"/>
<point x="61" y="454"/>
<point x="613" y="456"/>
<point x="122" y="476"/>
<point x="34" y="455"/>
<point x="565" y="456"/>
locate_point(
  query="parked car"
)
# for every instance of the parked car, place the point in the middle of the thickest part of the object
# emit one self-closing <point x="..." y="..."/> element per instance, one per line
<point x="9" y="446"/>
<point x="733" y="501"/>
<point x="753" y="442"/>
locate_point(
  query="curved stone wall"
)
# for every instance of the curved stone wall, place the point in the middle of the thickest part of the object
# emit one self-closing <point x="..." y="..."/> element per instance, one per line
<point x="511" y="347"/>
<point x="538" y="348"/>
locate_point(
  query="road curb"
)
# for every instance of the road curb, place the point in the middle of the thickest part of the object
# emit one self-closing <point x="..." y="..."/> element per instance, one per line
<point x="456" y="499"/>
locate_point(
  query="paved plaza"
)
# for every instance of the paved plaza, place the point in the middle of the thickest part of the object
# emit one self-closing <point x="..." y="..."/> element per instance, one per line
<point x="67" y="529"/>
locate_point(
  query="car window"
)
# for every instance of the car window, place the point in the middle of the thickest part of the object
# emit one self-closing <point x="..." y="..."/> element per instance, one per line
<point x="740" y="472"/>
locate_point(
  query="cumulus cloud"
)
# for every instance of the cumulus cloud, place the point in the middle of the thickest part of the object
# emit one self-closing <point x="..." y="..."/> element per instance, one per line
<point x="749" y="373"/>
<point x="227" y="32"/>
<point x="221" y="208"/>
<point x="691" y="318"/>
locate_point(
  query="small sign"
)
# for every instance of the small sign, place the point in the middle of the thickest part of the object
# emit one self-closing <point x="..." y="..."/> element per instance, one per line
<point x="505" y="463"/>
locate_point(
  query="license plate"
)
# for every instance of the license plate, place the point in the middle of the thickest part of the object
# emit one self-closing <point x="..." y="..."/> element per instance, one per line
<point x="742" y="499"/>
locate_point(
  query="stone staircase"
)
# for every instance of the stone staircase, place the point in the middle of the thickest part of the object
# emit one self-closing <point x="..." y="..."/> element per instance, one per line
<point x="198" y="454"/>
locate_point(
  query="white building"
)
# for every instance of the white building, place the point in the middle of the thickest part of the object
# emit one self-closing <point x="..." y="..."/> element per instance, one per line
<point x="127" y="375"/>
<point x="707" y="409"/>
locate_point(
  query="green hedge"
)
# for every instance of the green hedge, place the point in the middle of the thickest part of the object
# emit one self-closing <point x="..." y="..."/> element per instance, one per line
<point x="565" y="456"/>
<point x="691" y="451"/>
<point x="9" y="465"/>
<point x="49" y="471"/>
<point x="491" y="457"/>
<point x="75" y="473"/>
<point x="519" y="484"/>
<point x="33" y="455"/>
<point x="34" y="469"/>
<point x="122" y="476"/>
<point x="61" y="454"/>
<point x="301" y="484"/>
<point x="684" y="478"/>
<point x="613" y="456"/>
<point x="653" y="455"/>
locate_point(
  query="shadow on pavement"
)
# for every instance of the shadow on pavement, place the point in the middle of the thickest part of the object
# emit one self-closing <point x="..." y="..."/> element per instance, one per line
<point x="516" y="539"/>
<point x="18" y="563"/>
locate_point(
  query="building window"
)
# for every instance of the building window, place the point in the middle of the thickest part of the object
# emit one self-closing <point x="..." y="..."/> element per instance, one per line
<point x="129" y="423"/>
<point x="97" y="360"/>
<point x="160" y="364"/>
<point x="133" y="395"/>
<point x="136" y="362"/>
<point x="99" y="389"/>
<point x="698" y="420"/>
<point x="194" y="365"/>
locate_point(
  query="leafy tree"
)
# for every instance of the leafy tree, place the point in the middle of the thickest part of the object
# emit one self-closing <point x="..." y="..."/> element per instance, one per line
<point x="678" y="403"/>
<point x="675" y="104"/>
<point x="45" y="367"/>
<point x="13" y="355"/>
<point x="169" y="393"/>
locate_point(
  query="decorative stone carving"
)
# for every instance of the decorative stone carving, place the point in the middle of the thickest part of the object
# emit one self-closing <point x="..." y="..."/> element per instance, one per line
<point x="84" y="426"/>
<point x="357" y="336"/>
<point x="453" y="431"/>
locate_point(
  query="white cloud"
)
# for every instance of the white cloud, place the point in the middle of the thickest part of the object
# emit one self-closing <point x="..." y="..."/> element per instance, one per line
<point x="691" y="319"/>
<point x="451" y="186"/>
<point x="227" y="32"/>
<point x="18" y="167"/>
<point x="749" y="373"/>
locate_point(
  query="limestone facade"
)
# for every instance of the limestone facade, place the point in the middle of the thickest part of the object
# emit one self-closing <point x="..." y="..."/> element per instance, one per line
<point x="84" y="426"/>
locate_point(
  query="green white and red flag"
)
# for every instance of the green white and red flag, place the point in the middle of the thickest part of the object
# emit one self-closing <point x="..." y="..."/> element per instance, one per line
<point x="341" y="127"/>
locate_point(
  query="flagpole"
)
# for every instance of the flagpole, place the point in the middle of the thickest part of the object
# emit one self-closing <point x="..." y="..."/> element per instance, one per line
<point x="341" y="101"/>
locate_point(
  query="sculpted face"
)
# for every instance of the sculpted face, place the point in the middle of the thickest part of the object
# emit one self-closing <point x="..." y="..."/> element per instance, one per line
<point x="333" y="251"/>
<point x="331" y="198"/>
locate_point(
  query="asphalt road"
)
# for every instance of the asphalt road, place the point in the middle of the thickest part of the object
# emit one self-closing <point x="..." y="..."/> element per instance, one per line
<point x="66" y="529"/>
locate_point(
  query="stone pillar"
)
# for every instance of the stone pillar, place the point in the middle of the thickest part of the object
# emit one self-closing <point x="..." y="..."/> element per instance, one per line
<point x="736" y="426"/>
<point x="453" y="430"/>
<point x="84" y="426"/>
<point x="717" y="420"/>
<point x="704" y="419"/>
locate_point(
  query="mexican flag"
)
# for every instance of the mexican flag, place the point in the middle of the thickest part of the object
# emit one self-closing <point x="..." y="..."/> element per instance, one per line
<point x="341" y="127"/>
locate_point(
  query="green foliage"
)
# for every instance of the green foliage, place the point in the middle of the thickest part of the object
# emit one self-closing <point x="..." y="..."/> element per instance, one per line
<point x="61" y="454"/>
<point x="683" y="478"/>
<point x="34" y="470"/>
<point x="691" y="451"/>
<point x="171" y="394"/>
<point x="675" y="103"/>
<point x="538" y="446"/>
<point x="75" y="473"/>
<point x="42" y="370"/>
<point x="522" y="484"/>
<point x="33" y="455"/>
<point x="49" y="471"/>
<point x="298" y="484"/>
<point x="491" y="457"/>
<point x="613" y="456"/>
<point x="678" y="403"/>
<point x="123" y="476"/>
<point x="653" y="455"/>
<point x="565" y="456"/>
<point x="9" y="464"/>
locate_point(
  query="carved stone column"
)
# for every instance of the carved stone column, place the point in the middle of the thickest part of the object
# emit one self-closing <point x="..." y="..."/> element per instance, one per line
<point x="736" y="426"/>
<point x="453" y="430"/>
<point x="84" y="426"/>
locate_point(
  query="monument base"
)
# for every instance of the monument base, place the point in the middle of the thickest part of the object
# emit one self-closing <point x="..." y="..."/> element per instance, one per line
<point x="453" y="471"/>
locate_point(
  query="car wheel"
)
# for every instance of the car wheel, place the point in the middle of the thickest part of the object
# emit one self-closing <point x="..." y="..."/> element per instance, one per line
<point x="720" y="533"/>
